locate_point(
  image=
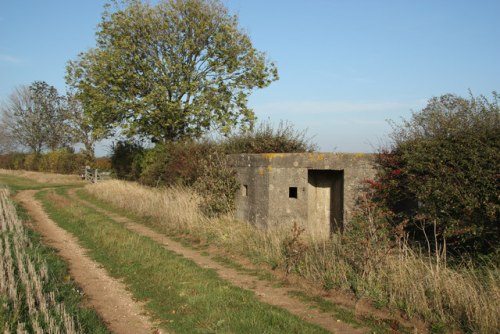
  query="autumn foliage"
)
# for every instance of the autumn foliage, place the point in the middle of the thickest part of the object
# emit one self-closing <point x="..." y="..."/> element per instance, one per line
<point x="441" y="174"/>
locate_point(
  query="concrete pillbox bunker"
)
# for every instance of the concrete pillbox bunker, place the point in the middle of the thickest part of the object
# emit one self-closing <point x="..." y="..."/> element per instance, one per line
<point x="316" y="190"/>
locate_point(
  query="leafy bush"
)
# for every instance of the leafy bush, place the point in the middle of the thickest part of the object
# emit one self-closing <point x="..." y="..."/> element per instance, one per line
<point x="175" y="163"/>
<point x="126" y="160"/>
<point x="267" y="139"/>
<point x="202" y="164"/>
<point x="442" y="174"/>
<point x="32" y="161"/>
<point x="61" y="161"/>
<point x="217" y="184"/>
<point x="12" y="161"/>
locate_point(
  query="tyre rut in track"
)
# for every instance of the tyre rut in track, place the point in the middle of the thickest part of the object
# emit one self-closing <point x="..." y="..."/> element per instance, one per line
<point x="110" y="298"/>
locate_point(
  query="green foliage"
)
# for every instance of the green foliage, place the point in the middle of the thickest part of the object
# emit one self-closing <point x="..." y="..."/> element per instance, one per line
<point x="12" y="161"/>
<point x="201" y="165"/>
<point x="169" y="71"/>
<point x="81" y="128"/>
<point x="176" y="163"/>
<point x="126" y="160"/>
<point x="217" y="184"/>
<point x="61" y="161"/>
<point x="269" y="139"/>
<point x="442" y="174"/>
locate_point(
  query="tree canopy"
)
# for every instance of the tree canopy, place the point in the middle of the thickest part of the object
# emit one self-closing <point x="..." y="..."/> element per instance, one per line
<point x="36" y="117"/>
<point x="169" y="71"/>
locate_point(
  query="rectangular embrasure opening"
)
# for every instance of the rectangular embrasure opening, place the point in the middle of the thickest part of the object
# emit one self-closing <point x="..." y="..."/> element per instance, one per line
<point x="292" y="192"/>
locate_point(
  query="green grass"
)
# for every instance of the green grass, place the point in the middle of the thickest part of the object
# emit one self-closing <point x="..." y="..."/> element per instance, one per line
<point x="323" y="305"/>
<point x="16" y="184"/>
<point x="183" y="240"/>
<point x="182" y="296"/>
<point x="316" y="301"/>
<point x="83" y="194"/>
<point x="262" y="275"/>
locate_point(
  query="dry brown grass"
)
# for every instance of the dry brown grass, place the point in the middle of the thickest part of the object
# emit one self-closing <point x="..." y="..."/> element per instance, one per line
<point x="463" y="297"/>
<point x="23" y="280"/>
<point x="176" y="209"/>
<point x="48" y="178"/>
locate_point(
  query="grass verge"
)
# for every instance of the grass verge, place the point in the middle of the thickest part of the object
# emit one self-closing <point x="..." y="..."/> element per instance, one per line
<point x="191" y="241"/>
<point x="182" y="296"/>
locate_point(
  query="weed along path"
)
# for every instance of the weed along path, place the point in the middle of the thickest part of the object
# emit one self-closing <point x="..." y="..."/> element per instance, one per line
<point x="107" y="295"/>
<point x="264" y="290"/>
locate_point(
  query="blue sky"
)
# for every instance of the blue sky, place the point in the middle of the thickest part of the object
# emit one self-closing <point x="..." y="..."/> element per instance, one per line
<point x="346" y="66"/>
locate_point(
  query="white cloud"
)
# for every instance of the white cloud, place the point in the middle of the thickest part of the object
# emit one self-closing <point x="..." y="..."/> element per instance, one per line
<point x="316" y="107"/>
<point x="9" y="59"/>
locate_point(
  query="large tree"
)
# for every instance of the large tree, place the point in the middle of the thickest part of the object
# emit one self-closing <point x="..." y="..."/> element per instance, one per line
<point x="169" y="71"/>
<point x="35" y="117"/>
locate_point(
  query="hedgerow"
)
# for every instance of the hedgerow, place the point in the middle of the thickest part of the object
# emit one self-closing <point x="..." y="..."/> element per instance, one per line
<point x="441" y="176"/>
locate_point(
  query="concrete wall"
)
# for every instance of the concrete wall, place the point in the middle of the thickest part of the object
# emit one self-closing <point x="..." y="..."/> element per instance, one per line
<point x="315" y="190"/>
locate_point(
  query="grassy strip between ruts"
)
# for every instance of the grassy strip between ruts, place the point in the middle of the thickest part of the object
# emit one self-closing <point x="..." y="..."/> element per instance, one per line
<point x="182" y="296"/>
<point x="46" y="300"/>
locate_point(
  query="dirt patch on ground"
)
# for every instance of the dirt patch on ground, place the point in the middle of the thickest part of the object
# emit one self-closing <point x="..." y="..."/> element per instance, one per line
<point x="107" y="295"/>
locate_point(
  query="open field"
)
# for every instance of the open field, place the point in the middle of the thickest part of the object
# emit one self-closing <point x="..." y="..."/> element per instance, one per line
<point x="434" y="297"/>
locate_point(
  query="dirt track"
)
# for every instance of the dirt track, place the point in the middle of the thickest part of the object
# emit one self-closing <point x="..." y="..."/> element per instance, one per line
<point x="107" y="295"/>
<point x="115" y="304"/>
<point x="277" y="296"/>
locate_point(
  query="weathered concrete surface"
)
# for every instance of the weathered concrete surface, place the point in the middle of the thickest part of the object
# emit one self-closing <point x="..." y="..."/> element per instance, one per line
<point x="316" y="190"/>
